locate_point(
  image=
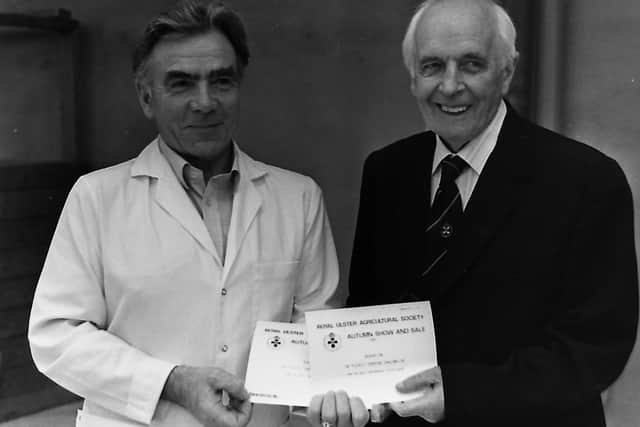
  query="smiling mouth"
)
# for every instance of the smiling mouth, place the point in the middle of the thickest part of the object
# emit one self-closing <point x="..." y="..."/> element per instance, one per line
<point x="454" y="110"/>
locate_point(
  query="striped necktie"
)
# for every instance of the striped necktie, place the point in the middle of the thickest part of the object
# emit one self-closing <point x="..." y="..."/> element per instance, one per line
<point x="446" y="212"/>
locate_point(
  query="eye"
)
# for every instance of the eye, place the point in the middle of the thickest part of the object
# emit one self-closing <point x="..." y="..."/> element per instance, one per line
<point x="179" y="85"/>
<point x="473" y="66"/>
<point x="429" y="68"/>
<point x="224" y="84"/>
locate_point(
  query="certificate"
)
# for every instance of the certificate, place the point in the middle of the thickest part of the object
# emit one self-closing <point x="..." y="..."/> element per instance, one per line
<point x="278" y="371"/>
<point x="365" y="351"/>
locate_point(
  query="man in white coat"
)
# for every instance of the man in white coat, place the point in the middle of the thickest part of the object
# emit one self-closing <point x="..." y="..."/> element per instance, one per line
<point x="160" y="266"/>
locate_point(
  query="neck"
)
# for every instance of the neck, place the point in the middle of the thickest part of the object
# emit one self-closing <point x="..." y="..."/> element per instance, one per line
<point x="455" y="146"/>
<point x="219" y="164"/>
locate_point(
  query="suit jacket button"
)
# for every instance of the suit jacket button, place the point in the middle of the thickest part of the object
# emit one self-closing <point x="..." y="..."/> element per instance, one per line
<point x="446" y="230"/>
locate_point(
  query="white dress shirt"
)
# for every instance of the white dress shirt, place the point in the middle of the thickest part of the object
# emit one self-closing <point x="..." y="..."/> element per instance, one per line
<point x="213" y="199"/>
<point x="476" y="153"/>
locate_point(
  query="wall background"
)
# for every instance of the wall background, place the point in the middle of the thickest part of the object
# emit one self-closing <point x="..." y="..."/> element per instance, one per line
<point x="601" y="104"/>
<point x="326" y="86"/>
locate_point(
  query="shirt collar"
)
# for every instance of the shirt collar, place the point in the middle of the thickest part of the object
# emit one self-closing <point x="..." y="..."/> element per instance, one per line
<point x="181" y="167"/>
<point x="477" y="151"/>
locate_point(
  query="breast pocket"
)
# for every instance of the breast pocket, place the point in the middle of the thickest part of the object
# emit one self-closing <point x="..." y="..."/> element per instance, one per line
<point x="274" y="290"/>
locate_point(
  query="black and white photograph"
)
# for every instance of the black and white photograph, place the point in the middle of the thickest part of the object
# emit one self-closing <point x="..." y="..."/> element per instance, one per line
<point x="177" y="176"/>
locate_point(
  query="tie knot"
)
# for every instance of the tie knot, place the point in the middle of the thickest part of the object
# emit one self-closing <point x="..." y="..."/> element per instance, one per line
<point x="450" y="168"/>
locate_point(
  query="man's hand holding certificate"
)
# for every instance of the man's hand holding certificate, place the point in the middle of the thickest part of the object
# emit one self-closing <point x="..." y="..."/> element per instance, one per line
<point x="365" y="351"/>
<point x="278" y="372"/>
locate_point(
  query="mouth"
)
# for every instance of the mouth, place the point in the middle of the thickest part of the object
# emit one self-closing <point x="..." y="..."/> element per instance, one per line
<point x="203" y="126"/>
<point x="453" y="110"/>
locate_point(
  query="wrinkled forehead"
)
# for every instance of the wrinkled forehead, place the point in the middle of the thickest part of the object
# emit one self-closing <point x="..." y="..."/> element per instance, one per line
<point x="455" y="27"/>
<point x="193" y="53"/>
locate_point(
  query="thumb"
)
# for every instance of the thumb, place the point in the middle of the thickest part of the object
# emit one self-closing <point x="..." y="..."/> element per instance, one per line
<point x="380" y="412"/>
<point x="420" y="381"/>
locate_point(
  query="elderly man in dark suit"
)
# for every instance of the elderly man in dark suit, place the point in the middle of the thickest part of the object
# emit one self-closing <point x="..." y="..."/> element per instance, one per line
<point x="522" y="240"/>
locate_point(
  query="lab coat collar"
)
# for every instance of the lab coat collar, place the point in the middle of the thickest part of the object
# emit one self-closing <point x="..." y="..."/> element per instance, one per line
<point x="170" y="195"/>
<point x="151" y="162"/>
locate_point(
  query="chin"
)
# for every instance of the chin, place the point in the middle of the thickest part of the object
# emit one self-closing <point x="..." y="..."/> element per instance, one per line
<point x="211" y="145"/>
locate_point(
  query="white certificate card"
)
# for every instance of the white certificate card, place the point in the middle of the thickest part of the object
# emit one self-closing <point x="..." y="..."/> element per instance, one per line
<point x="366" y="351"/>
<point x="278" y="371"/>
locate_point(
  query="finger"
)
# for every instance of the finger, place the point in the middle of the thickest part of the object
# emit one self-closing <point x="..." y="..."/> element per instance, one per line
<point x="359" y="413"/>
<point x="238" y="392"/>
<point x="420" y="381"/>
<point x="343" y="410"/>
<point x="227" y="418"/>
<point x="238" y="416"/>
<point x="380" y="412"/>
<point x="223" y="380"/>
<point x="244" y="412"/>
<point x="314" y="411"/>
<point x="240" y="406"/>
<point x="409" y="408"/>
<point x="329" y="408"/>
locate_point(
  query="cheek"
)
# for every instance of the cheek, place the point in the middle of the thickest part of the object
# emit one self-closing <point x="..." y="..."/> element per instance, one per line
<point x="422" y="89"/>
<point x="171" y="113"/>
<point x="423" y="96"/>
<point x="230" y="104"/>
<point x="490" y="89"/>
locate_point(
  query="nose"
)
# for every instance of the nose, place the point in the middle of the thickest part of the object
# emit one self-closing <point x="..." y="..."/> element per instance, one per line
<point x="205" y="99"/>
<point x="451" y="82"/>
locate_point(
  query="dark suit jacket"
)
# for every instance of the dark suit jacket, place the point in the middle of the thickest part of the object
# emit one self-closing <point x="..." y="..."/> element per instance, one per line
<point x="536" y="307"/>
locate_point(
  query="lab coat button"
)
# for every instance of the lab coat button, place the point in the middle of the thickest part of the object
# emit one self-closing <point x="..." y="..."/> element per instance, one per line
<point x="225" y="348"/>
<point x="224" y="291"/>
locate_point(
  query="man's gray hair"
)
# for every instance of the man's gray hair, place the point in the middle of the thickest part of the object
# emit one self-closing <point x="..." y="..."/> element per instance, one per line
<point x="192" y="17"/>
<point x="505" y="28"/>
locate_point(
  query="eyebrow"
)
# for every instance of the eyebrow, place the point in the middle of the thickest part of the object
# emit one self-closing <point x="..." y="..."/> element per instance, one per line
<point x="216" y="73"/>
<point x="429" y="59"/>
<point x="467" y="56"/>
<point x="474" y="56"/>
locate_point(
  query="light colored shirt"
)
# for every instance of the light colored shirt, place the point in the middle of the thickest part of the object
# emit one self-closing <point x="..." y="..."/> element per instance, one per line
<point x="476" y="153"/>
<point x="131" y="286"/>
<point x="213" y="199"/>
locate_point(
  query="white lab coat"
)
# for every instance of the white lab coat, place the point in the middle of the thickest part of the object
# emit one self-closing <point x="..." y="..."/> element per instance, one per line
<point x="132" y="284"/>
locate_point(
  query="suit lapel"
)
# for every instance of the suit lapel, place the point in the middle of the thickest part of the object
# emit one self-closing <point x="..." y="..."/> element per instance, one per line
<point x="498" y="192"/>
<point x="417" y="182"/>
<point x="411" y="186"/>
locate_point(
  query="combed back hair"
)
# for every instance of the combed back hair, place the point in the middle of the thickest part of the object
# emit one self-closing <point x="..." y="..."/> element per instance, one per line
<point x="505" y="29"/>
<point x="193" y="17"/>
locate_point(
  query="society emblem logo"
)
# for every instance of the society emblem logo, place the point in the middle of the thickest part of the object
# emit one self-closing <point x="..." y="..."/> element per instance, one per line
<point x="275" y="342"/>
<point x="332" y="342"/>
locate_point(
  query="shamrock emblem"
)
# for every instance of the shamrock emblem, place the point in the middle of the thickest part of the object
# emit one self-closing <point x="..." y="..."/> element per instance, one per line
<point x="275" y="342"/>
<point x="332" y="342"/>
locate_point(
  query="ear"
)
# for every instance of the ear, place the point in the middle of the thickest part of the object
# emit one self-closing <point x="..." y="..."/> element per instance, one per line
<point x="507" y="73"/>
<point x="413" y="85"/>
<point x="144" y="97"/>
